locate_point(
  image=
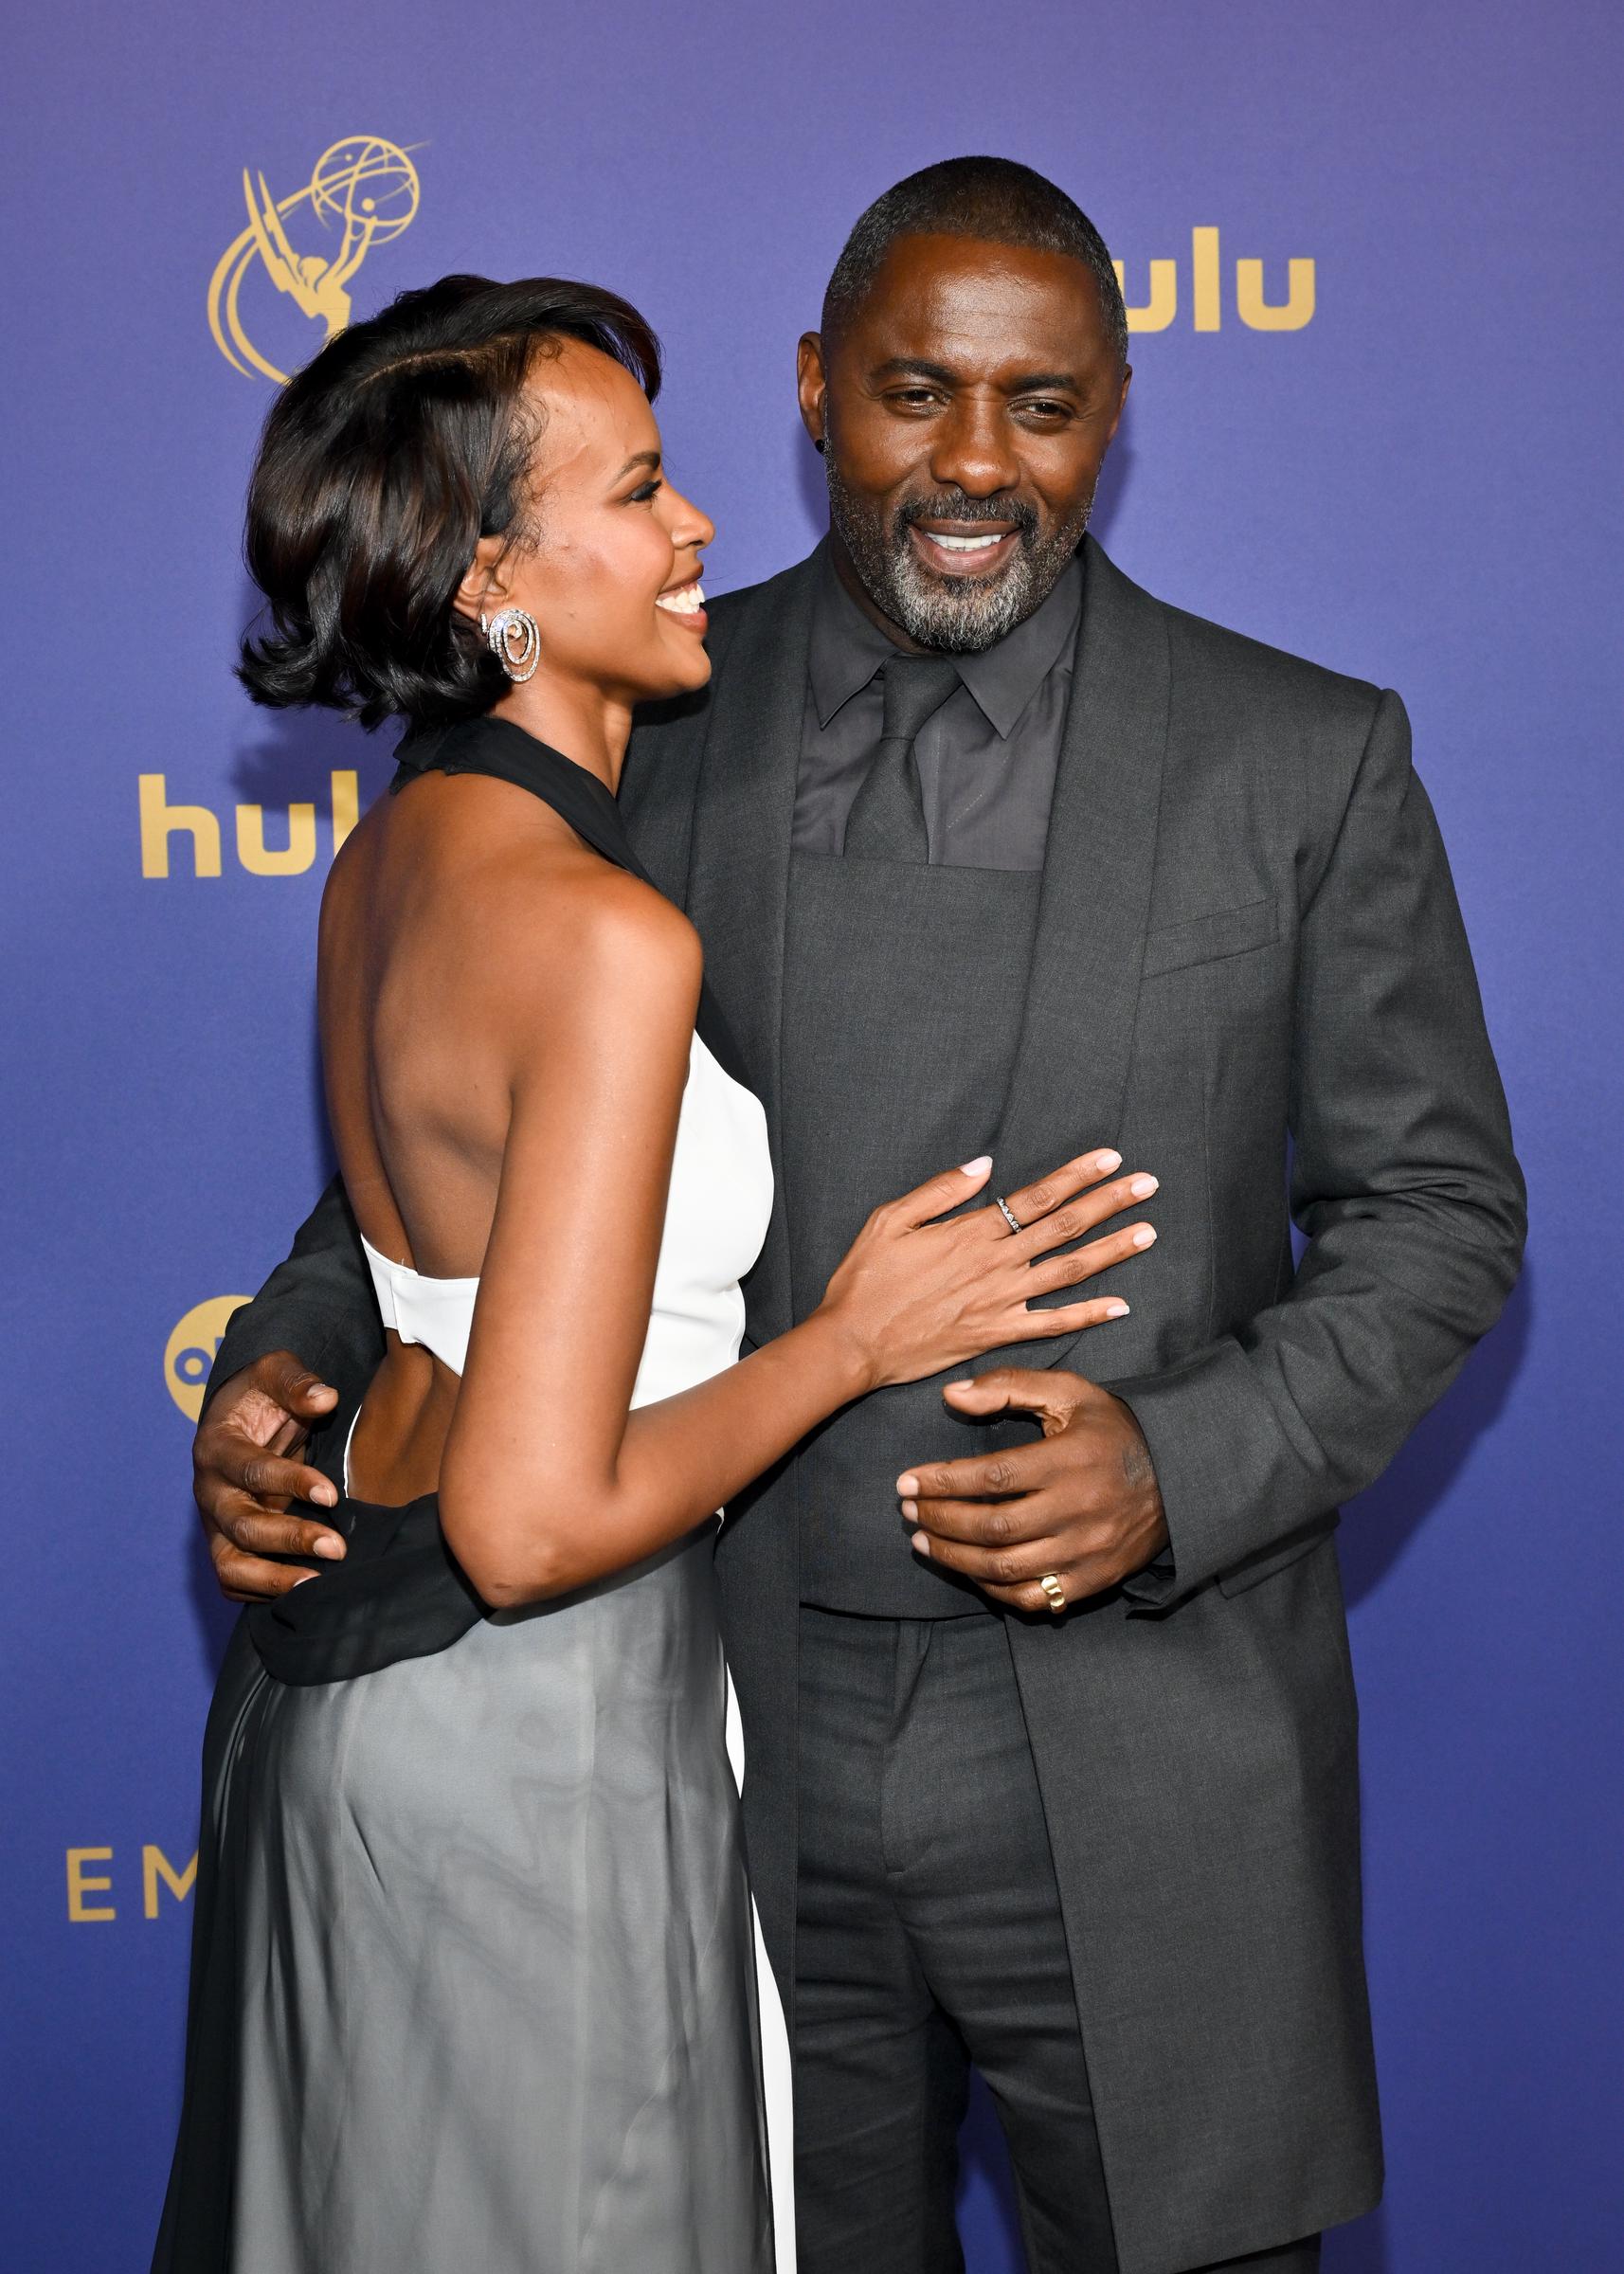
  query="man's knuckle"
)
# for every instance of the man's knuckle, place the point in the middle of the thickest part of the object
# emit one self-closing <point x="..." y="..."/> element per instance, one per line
<point x="1006" y="1568"/>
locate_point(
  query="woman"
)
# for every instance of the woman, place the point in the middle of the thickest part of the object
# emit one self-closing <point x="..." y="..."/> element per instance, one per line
<point x="475" y="1981"/>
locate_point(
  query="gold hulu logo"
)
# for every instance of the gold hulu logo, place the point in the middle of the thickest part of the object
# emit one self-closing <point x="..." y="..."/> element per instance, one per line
<point x="1206" y="292"/>
<point x="160" y="821"/>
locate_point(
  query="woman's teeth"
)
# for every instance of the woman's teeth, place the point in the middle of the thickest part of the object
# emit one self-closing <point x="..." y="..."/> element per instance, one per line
<point x="688" y="599"/>
<point x="966" y="543"/>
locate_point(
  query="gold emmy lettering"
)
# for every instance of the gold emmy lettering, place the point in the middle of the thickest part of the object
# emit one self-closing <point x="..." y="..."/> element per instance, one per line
<point x="160" y="821"/>
<point x="82" y="1882"/>
<point x="1264" y="316"/>
<point x="155" y="1864"/>
<point x="363" y="187"/>
<point x="299" y="852"/>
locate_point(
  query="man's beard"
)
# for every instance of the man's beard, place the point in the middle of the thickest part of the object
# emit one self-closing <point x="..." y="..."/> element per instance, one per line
<point x="963" y="614"/>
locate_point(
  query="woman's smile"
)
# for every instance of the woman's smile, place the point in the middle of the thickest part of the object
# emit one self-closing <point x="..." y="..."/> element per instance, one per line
<point x="687" y="603"/>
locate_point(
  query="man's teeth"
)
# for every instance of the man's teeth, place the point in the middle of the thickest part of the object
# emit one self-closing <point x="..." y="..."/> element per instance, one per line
<point x="686" y="601"/>
<point x="966" y="543"/>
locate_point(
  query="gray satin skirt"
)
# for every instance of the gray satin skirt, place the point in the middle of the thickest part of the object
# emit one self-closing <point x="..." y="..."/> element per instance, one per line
<point x="473" y="1973"/>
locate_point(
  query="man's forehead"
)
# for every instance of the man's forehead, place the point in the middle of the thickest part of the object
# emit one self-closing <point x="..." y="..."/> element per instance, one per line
<point x="933" y="296"/>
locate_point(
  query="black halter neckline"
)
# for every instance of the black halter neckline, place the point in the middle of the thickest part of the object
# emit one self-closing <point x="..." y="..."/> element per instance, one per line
<point x="508" y="754"/>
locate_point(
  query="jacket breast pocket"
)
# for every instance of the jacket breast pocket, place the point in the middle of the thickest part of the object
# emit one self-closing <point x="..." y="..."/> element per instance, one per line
<point x="1206" y="939"/>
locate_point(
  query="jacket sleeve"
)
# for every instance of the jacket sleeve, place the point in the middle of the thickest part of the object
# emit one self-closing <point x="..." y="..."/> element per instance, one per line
<point x="319" y="1303"/>
<point x="1403" y="1180"/>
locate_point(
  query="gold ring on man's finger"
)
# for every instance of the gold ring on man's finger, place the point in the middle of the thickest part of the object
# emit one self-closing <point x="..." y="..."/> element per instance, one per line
<point x="1054" y="1593"/>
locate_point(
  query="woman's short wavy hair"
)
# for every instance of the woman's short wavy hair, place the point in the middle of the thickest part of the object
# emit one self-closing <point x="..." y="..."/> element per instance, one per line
<point x="381" y="465"/>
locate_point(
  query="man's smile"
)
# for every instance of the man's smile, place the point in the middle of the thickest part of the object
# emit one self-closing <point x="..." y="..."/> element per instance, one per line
<point x="960" y="549"/>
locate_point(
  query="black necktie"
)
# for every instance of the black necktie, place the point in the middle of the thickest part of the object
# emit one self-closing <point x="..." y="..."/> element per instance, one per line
<point x="886" y="819"/>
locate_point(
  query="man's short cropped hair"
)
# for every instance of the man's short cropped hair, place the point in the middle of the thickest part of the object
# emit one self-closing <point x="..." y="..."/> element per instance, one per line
<point x="994" y="198"/>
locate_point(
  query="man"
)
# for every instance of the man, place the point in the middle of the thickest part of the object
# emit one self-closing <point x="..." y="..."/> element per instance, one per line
<point x="991" y="850"/>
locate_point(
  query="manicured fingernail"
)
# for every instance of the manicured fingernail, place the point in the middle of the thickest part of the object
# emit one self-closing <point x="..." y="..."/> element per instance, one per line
<point x="1116" y="1311"/>
<point x="911" y="1511"/>
<point x="978" y="1167"/>
<point x="908" y="1485"/>
<point x="1145" y="1236"/>
<point x="1104" y="1162"/>
<point x="1142" y="1187"/>
<point x="308" y="1577"/>
<point x="324" y="1496"/>
<point x="330" y="1547"/>
<point x="921" y="1545"/>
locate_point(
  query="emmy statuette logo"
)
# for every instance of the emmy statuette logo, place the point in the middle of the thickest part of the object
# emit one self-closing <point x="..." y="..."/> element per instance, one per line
<point x="190" y="1351"/>
<point x="363" y="192"/>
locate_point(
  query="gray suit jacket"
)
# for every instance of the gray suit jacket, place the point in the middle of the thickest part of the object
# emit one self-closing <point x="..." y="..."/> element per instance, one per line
<point x="1251" y="976"/>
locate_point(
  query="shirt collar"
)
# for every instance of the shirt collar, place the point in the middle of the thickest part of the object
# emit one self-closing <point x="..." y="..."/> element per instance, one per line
<point x="847" y="650"/>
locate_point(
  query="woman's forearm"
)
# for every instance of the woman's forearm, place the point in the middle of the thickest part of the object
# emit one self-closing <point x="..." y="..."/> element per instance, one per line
<point x="548" y="1483"/>
<point x="522" y="1539"/>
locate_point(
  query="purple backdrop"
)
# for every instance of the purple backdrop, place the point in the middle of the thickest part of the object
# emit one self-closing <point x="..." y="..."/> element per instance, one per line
<point x="1420" y="484"/>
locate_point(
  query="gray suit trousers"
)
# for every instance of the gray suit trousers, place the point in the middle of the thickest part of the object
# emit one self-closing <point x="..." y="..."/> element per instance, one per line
<point x="929" y="1937"/>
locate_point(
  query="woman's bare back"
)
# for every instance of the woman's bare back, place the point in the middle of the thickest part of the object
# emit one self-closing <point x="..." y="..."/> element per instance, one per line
<point x="434" y="901"/>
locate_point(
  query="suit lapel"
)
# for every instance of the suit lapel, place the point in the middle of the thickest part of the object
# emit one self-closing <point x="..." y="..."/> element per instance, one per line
<point x="1078" y="1034"/>
<point x="743" y="807"/>
<point x="739" y="874"/>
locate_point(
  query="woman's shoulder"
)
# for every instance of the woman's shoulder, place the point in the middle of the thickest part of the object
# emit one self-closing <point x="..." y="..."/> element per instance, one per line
<point x="586" y="940"/>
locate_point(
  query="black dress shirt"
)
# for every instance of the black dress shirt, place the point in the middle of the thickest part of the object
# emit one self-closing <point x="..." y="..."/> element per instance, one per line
<point x="986" y="760"/>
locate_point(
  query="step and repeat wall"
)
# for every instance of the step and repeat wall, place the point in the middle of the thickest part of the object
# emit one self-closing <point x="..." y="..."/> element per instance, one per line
<point x="1371" y="257"/>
